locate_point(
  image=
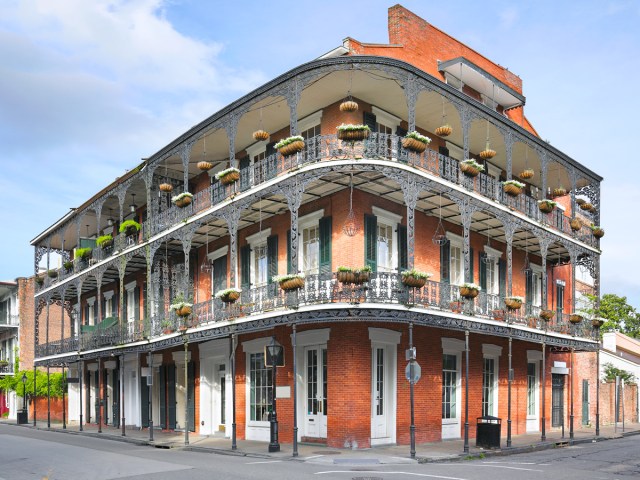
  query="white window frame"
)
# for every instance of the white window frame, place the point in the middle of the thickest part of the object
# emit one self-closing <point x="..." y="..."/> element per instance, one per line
<point x="535" y="357"/>
<point x="454" y="346"/>
<point x="304" y="222"/>
<point x="456" y="241"/>
<point x="536" y="285"/>
<point x="107" y="303"/>
<point x="496" y="255"/>
<point x="91" y="302"/>
<point x="255" y="429"/>
<point x="310" y="121"/>
<point x="493" y="352"/>
<point x="131" y="302"/>
<point x="386" y="119"/>
<point x="256" y="240"/>
<point x="392" y="220"/>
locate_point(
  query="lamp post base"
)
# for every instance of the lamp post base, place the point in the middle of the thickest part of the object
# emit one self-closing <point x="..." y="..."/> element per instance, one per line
<point x="274" y="446"/>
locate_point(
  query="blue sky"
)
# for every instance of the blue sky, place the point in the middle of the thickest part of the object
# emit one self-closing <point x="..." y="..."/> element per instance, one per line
<point x="88" y="88"/>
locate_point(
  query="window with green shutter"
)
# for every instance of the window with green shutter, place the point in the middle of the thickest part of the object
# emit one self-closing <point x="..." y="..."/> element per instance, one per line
<point x="403" y="254"/>
<point x="245" y="267"/>
<point x="482" y="267"/>
<point x="445" y="259"/>
<point x="370" y="241"/>
<point x="272" y="257"/>
<point x="325" y="245"/>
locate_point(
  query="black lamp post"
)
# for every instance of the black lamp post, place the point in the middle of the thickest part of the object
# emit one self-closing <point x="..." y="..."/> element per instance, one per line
<point x="273" y="357"/>
<point x="24" y="392"/>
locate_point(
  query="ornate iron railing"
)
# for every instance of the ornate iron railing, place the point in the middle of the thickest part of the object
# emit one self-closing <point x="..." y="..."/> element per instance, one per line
<point x="382" y="289"/>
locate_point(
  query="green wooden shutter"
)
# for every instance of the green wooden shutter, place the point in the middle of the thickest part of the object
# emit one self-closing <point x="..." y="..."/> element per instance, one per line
<point x="370" y="243"/>
<point x="528" y="292"/>
<point x="369" y="119"/>
<point x="171" y="395"/>
<point x="125" y="302"/>
<point x="163" y="396"/>
<point x="445" y="262"/>
<point x="502" y="277"/>
<point x="289" y="266"/>
<point x="403" y="254"/>
<point x="144" y="401"/>
<point x="272" y="257"/>
<point x="145" y="303"/>
<point x="245" y="267"/>
<point x="471" y="266"/>
<point x="86" y="314"/>
<point x="325" y="245"/>
<point x="482" y="270"/>
<point x="191" y="397"/>
<point x="103" y="308"/>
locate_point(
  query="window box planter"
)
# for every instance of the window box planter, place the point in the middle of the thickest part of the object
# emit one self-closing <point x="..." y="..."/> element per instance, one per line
<point x="345" y="275"/>
<point x="575" y="224"/>
<point x="471" y="168"/>
<point x="228" y="295"/>
<point x="182" y="200"/>
<point x="546" y="206"/>
<point x="444" y="131"/>
<point x="290" y="145"/>
<point x="353" y="133"/>
<point x="547" y="315"/>
<point x="83" y="253"/>
<point x="415" y="142"/>
<point x="105" y="241"/>
<point x="575" y="318"/>
<point x="228" y="176"/>
<point x="289" y="283"/>
<point x="469" y="290"/>
<point x="414" y="278"/>
<point x="513" y="303"/>
<point x="512" y="188"/>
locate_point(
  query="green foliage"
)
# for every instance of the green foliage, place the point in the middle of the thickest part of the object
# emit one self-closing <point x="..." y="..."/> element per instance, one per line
<point x="104" y="240"/>
<point x="619" y="315"/>
<point x="127" y="224"/>
<point x="83" y="252"/>
<point x="611" y="372"/>
<point x="14" y="383"/>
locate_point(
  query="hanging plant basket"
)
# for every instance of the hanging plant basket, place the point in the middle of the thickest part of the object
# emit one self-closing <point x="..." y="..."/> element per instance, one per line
<point x="182" y="200"/>
<point x="290" y="145"/>
<point x="513" y="303"/>
<point x="260" y="135"/>
<point x="546" y="206"/>
<point x="105" y="241"/>
<point x="559" y="192"/>
<point x="228" y="295"/>
<point x="575" y="224"/>
<point x="575" y="318"/>
<point x="353" y="133"/>
<point x="444" y="131"/>
<point x="597" y="323"/>
<point x="471" y="168"/>
<point x="289" y="283"/>
<point x="165" y="187"/>
<point x="415" y="142"/>
<point x="205" y="166"/>
<point x="580" y="201"/>
<point x="598" y="232"/>
<point x="547" y="315"/>
<point x="487" y="154"/>
<point x="587" y="207"/>
<point x="526" y="174"/>
<point x="414" y="278"/>
<point x="348" y="106"/>
<point x="228" y="176"/>
<point x="512" y="187"/>
<point x="469" y="290"/>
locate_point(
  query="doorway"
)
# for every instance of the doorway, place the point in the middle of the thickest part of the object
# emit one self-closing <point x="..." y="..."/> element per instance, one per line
<point x="316" y="392"/>
<point x="557" y="400"/>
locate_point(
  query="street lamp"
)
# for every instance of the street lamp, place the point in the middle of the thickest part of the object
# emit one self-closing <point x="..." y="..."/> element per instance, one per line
<point x="273" y="357"/>
<point x="24" y="392"/>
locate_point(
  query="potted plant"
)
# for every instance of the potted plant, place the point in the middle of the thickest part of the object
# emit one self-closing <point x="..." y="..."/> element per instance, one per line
<point x="487" y="153"/>
<point x="526" y="174"/>
<point x="290" y="282"/>
<point x="167" y="327"/>
<point x="469" y="290"/>
<point x="559" y="192"/>
<point x="68" y="266"/>
<point x="228" y="176"/>
<point x="546" y="205"/>
<point x="83" y="253"/>
<point x="182" y="200"/>
<point x="345" y="275"/>
<point x="260" y="135"/>
<point x="130" y="227"/>
<point x="471" y="168"/>
<point x="513" y="302"/>
<point x="597" y="231"/>
<point x="182" y="307"/>
<point x="362" y="275"/>
<point x="290" y="145"/>
<point x="228" y="295"/>
<point x="576" y="318"/>
<point x="575" y="224"/>
<point x="165" y="187"/>
<point x="597" y="323"/>
<point x="204" y="165"/>
<point x="353" y="133"/>
<point x="547" y="315"/>
<point x="415" y="142"/>
<point x="349" y="105"/>
<point x="52" y="273"/>
<point x="414" y="278"/>
<point x="39" y="280"/>
<point x="104" y="241"/>
<point x="587" y="207"/>
<point x="512" y="187"/>
<point x="444" y="130"/>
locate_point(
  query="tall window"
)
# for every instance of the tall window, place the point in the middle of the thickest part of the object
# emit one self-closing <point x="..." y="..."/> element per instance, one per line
<point x="449" y="382"/>
<point x="311" y="249"/>
<point x="531" y="388"/>
<point x="385" y="247"/>
<point x="488" y="386"/>
<point x="260" y="265"/>
<point x="260" y="388"/>
<point x="536" y="285"/>
<point x="457" y="265"/>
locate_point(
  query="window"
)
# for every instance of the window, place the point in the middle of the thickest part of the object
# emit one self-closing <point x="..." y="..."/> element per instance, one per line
<point x="311" y="132"/>
<point x="456" y="259"/>
<point x="259" y="257"/>
<point x="259" y="387"/>
<point x="492" y="268"/>
<point x="309" y="246"/>
<point x="488" y="385"/>
<point x="385" y="122"/>
<point x="531" y="388"/>
<point x="386" y="246"/>
<point x="108" y="305"/>
<point x="449" y="384"/>
<point x="536" y="285"/>
<point x="91" y="311"/>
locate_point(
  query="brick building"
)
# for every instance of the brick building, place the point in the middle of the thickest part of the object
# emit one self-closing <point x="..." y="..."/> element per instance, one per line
<point x="341" y="214"/>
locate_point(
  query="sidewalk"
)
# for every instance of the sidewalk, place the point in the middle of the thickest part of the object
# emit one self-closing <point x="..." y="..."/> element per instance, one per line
<point x="450" y="450"/>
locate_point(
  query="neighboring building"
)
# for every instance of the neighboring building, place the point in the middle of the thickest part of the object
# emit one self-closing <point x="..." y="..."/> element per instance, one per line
<point x="9" y="328"/>
<point x="336" y="203"/>
<point x="623" y="352"/>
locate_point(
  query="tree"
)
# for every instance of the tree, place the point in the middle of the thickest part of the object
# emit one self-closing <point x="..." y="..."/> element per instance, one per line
<point x="611" y="372"/>
<point x="619" y="315"/>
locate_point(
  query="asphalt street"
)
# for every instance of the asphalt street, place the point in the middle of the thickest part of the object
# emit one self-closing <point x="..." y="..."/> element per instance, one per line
<point x="36" y="454"/>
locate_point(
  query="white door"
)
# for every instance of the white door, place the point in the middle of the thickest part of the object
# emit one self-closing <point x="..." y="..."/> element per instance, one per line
<point x="219" y="403"/>
<point x="379" y="395"/>
<point x="316" y="392"/>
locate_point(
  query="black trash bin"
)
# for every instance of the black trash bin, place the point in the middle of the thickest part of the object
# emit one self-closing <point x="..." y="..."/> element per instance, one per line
<point x="488" y="432"/>
<point x="23" y="417"/>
